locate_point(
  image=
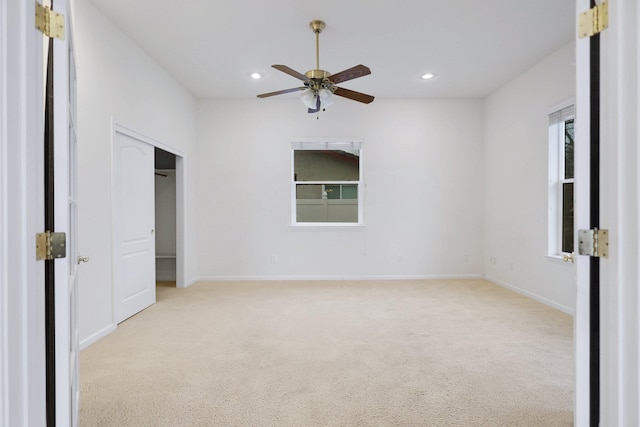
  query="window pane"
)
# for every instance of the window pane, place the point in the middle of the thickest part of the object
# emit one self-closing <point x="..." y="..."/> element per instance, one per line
<point x="326" y="165"/>
<point x="568" y="149"/>
<point x="333" y="191"/>
<point x="312" y="207"/>
<point x="567" y="217"/>
<point x="309" y="191"/>
<point x="349" y="191"/>
<point x="326" y="210"/>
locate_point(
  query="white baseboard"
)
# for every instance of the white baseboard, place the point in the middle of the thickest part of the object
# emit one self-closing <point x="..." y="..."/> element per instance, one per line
<point x="192" y="281"/>
<point x="330" y="278"/>
<point x="531" y="295"/>
<point x="97" y="336"/>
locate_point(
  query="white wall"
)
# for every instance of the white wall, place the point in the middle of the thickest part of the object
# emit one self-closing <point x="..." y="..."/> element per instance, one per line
<point x="118" y="80"/>
<point x="423" y="210"/>
<point x="516" y="175"/>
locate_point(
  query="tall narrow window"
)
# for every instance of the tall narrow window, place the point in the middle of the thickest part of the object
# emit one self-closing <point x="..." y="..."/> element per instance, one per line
<point x="327" y="183"/>
<point x="561" y="181"/>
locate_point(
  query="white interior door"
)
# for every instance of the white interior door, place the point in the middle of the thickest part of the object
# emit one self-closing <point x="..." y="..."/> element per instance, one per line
<point x="74" y="257"/>
<point x="65" y="211"/>
<point x="620" y="214"/>
<point x="619" y="206"/>
<point x="133" y="225"/>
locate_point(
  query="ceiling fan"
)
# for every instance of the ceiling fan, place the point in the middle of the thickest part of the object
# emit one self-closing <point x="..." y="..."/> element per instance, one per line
<point x="320" y="85"/>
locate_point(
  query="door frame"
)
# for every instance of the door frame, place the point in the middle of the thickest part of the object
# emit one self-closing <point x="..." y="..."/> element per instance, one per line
<point x="619" y="213"/>
<point x="118" y="127"/>
<point x="4" y="208"/>
<point x="22" y="374"/>
<point x="581" y="221"/>
<point x="59" y="308"/>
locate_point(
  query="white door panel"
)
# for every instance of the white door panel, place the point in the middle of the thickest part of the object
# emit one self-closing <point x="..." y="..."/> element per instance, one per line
<point x="74" y="330"/>
<point x="134" y="218"/>
<point x="66" y="210"/>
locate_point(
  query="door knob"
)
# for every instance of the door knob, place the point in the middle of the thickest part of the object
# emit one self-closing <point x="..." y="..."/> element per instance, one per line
<point x="82" y="258"/>
<point x="569" y="257"/>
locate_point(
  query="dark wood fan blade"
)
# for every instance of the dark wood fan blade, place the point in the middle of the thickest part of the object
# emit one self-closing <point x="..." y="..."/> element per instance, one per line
<point x="291" y="72"/>
<point x="350" y="74"/>
<point x="280" y="92"/>
<point x="352" y="94"/>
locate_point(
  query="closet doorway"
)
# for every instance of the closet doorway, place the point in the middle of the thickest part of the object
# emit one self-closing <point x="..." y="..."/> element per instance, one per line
<point x="134" y="221"/>
<point x="165" y="218"/>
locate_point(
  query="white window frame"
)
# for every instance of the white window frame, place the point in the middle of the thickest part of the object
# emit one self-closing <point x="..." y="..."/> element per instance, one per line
<point x="558" y="115"/>
<point x="346" y="144"/>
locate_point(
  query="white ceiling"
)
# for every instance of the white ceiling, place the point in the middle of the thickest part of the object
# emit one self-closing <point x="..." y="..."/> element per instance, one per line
<point x="473" y="46"/>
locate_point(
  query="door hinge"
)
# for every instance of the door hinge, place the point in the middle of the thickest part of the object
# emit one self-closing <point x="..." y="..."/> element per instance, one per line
<point x="50" y="23"/>
<point x="50" y="245"/>
<point x="594" y="243"/>
<point x="594" y="20"/>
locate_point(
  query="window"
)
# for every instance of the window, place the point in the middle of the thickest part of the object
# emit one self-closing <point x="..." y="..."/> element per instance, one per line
<point x="327" y="183"/>
<point x="561" y="180"/>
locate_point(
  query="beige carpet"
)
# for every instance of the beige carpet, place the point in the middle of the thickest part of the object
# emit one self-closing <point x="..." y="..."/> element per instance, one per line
<point x="396" y="353"/>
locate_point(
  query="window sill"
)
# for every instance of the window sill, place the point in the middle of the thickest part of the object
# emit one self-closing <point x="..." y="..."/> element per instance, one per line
<point x="320" y="225"/>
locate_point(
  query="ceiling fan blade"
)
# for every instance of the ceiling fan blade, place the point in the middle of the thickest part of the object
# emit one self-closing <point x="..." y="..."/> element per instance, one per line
<point x="291" y="72"/>
<point x="350" y="74"/>
<point x="352" y="94"/>
<point x="281" y="92"/>
<point x="315" y="110"/>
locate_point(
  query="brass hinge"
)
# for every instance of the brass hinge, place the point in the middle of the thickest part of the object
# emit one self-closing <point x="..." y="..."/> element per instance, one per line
<point x="50" y="23"/>
<point x="594" y="20"/>
<point x="50" y="245"/>
<point x="594" y="243"/>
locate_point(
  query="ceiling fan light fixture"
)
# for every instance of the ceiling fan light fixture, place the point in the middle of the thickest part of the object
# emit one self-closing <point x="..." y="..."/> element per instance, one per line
<point x="308" y="98"/>
<point x="427" y="76"/>
<point x="326" y="97"/>
<point x="255" y="76"/>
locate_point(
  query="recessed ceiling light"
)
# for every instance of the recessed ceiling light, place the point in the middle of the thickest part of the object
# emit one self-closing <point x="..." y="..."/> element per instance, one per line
<point x="427" y="76"/>
<point x="256" y="76"/>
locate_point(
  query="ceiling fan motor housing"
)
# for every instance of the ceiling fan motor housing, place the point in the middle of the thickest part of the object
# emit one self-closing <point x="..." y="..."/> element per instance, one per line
<point x="317" y="74"/>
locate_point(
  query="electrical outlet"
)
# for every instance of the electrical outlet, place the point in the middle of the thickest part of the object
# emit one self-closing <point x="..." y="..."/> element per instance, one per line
<point x="274" y="259"/>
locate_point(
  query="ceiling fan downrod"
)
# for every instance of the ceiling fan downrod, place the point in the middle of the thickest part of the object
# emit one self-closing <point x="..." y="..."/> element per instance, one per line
<point x="317" y="26"/>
